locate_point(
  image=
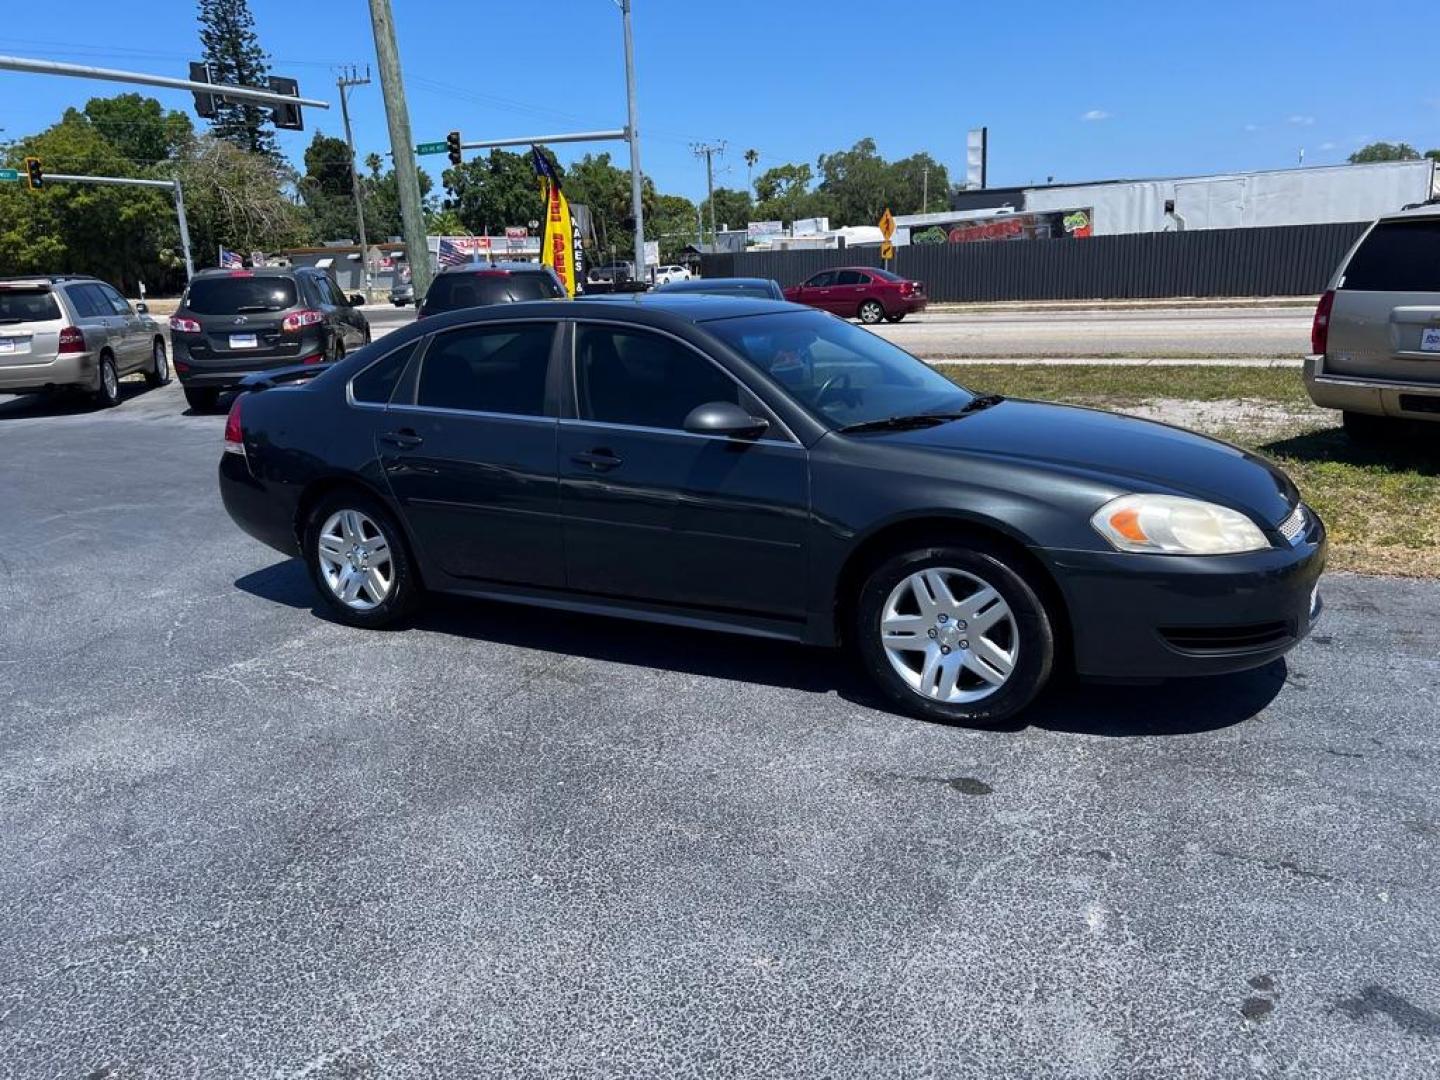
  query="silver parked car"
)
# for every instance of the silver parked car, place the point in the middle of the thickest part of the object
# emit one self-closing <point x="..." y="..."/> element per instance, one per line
<point x="65" y="331"/>
<point x="1376" y="337"/>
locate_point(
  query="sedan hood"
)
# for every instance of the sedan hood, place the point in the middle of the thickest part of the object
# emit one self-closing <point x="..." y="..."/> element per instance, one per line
<point x="1138" y="455"/>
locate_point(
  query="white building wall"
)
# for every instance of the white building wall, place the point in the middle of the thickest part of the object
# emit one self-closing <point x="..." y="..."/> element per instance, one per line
<point x="1248" y="200"/>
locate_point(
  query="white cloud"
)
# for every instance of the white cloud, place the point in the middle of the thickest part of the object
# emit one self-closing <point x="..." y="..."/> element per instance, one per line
<point x="1327" y="146"/>
<point x="1095" y="114"/>
<point x="1303" y="121"/>
<point x="1252" y="127"/>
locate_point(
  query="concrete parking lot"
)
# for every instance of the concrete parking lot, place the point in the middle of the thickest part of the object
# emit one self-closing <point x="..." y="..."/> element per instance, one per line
<point x="237" y="839"/>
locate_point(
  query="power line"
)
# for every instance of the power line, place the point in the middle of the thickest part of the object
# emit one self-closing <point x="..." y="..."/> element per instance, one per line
<point x="708" y="152"/>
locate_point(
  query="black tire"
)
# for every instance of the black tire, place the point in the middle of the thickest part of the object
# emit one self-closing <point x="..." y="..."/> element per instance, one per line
<point x="1365" y="427"/>
<point x="1031" y="626"/>
<point x="871" y="312"/>
<point x="159" y="373"/>
<point x="897" y="317"/>
<point x="201" y="399"/>
<point x="107" y="391"/>
<point x="405" y="589"/>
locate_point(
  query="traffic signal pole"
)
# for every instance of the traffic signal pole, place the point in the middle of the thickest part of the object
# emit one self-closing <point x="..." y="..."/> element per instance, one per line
<point x="407" y="173"/>
<point x="82" y="71"/>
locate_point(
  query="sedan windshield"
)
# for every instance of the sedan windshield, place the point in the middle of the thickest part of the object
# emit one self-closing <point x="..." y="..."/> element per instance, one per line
<point x="846" y="375"/>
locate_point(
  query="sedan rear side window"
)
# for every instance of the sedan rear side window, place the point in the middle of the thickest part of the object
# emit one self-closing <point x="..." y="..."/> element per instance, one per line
<point x="236" y="295"/>
<point x="31" y="305"/>
<point x="851" y="277"/>
<point x="377" y="382"/>
<point x="497" y="369"/>
<point x="643" y="380"/>
<point x="1397" y="256"/>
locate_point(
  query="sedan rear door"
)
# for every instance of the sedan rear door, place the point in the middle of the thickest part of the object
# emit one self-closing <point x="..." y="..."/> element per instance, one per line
<point x="469" y="452"/>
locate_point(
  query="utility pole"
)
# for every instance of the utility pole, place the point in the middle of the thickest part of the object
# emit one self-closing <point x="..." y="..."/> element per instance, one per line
<point x="708" y="151"/>
<point x="925" y="184"/>
<point x="343" y="84"/>
<point x="402" y="148"/>
<point x="632" y="132"/>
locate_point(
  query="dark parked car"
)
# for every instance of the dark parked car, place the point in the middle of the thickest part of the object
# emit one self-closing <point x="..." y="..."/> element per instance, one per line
<point x="757" y="288"/>
<point x="762" y="468"/>
<point x="480" y="284"/>
<point x="233" y="323"/>
<point x="861" y="292"/>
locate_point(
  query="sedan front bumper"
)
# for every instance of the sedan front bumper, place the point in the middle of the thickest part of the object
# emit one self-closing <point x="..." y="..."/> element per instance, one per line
<point x="1158" y="616"/>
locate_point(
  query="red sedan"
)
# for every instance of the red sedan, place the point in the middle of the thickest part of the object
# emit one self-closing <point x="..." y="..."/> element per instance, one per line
<point x="861" y="292"/>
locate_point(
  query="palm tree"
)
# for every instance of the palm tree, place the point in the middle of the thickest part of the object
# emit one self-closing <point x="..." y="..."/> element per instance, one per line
<point x="751" y="157"/>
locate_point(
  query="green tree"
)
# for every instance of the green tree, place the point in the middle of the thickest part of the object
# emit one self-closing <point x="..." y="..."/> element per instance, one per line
<point x="326" y="188"/>
<point x="115" y="233"/>
<point x="1433" y="155"/>
<point x="784" y="194"/>
<point x="855" y="182"/>
<point x="604" y="188"/>
<point x="752" y="158"/>
<point x="139" y="127"/>
<point x="907" y="183"/>
<point x="382" y="200"/>
<point x="733" y="209"/>
<point x="1384" y="151"/>
<point x="500" y="189"/>
<point x="229" y="45"/>
<point x="237" y="198"/>
<point x="672" y="222"/>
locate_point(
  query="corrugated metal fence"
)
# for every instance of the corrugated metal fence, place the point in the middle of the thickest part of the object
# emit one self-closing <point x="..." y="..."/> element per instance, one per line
<point x="1291" y="260"/>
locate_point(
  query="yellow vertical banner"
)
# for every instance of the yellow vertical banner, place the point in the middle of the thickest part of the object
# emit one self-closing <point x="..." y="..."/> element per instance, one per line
<point x="557" y="244"/>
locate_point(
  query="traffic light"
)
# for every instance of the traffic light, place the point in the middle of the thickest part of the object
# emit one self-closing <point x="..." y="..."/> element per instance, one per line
<point x="286" y="117"/>
<point x="204" y="102"/>
<point x="452" y="144"/>
<point x="34" y="174"/>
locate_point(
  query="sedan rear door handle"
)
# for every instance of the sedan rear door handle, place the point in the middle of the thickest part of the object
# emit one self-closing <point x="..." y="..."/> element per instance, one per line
<point x="599" y="459"/>
<point x="405" y="439"/>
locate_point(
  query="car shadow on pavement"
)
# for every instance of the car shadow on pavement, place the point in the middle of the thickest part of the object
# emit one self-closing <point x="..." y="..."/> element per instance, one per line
<point x="1177" y="708"/>
<point x="63" y="402"/>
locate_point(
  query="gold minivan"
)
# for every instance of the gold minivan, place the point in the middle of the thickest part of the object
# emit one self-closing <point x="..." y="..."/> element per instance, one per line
<point x="1376" y="337"/>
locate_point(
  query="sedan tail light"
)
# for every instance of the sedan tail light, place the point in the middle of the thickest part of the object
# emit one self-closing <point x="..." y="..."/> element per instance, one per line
<point x="907" y="288"/>
<point x="72" y="339"/>
<point x="296" y="320"/>
<point x="184" y="326"/>
<point x="234" y="432"/>
<point x="1320" y="328"/>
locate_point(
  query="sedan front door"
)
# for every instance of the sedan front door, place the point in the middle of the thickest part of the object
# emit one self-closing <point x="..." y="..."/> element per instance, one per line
<point x="469" y="453"/>
<point x="819" y="291"/>
<point x="655" y="513"/>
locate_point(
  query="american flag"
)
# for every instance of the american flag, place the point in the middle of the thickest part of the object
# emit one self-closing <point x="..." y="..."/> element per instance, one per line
<point x="450" y="253"/>
<point x="230" y="260"/>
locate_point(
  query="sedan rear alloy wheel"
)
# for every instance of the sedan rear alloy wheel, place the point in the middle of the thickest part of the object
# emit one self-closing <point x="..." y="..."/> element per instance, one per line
<point x="949" y="635"/>
<point x="355" y="560"/>
<point x="871" y="312"/>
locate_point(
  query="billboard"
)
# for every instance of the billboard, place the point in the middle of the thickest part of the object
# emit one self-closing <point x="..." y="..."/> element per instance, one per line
<point x="761" y="230"/>
<point x="1042" y="225"/>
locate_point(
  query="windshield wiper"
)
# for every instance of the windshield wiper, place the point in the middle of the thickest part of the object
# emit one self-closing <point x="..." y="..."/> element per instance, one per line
<point x="919" y="420"/>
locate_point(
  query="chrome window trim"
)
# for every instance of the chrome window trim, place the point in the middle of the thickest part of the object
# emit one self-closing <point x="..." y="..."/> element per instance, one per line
<point x="350" y="399"/>
<point x="680" y="432"/>
<point x="776" y="423"/>
<point x="442" y="411"/>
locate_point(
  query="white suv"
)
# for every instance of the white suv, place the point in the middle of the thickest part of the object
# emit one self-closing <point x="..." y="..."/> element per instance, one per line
<point x="65" y="331"/>
<point x="1376" y="338"/>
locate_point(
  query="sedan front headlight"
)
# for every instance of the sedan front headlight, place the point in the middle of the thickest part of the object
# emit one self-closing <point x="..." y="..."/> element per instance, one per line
<point x="1169" y="525"/>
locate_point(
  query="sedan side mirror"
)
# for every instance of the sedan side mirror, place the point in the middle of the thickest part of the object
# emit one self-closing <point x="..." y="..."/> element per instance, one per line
<point x="142" y="308"/>
<point x="356" y="300"/>
<point x="725" y="418"/>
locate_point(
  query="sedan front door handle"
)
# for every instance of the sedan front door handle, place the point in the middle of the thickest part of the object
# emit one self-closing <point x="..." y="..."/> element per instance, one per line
<point x="600" y="459"/>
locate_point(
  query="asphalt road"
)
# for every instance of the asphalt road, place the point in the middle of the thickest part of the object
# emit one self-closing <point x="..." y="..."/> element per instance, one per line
<point x="237" y="839"/>
<point x="1150" y="332"/>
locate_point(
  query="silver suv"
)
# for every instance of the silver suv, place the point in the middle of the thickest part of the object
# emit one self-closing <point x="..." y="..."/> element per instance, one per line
<point x="59" y="332"/>
<point x="1376" y="338"/>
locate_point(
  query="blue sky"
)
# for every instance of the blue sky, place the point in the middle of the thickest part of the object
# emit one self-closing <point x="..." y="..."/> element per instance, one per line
<point x="1071" y="90"/>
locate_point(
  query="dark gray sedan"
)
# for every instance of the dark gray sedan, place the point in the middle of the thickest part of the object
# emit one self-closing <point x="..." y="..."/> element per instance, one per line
<point x="756" y="288"/>
<point x="770" y="469"/>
